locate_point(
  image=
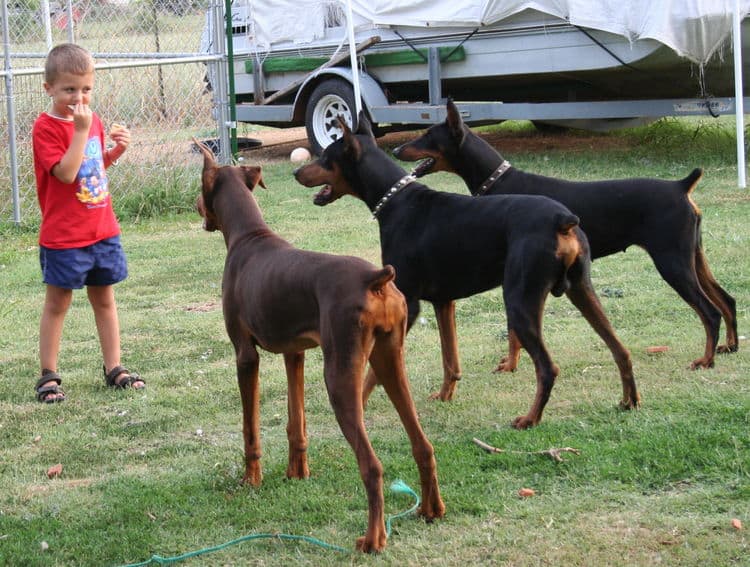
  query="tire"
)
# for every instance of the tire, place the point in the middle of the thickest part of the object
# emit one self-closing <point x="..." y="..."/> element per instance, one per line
<point x="330" y="99"/>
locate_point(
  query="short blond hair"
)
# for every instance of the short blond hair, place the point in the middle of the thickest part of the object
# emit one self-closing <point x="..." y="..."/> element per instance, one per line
<point x="67" y="58"/>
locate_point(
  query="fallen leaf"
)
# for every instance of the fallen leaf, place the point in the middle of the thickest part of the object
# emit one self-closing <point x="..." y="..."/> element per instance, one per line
<point x="656" y="349"/>
<point x="737" y="523"/>
<point x="526" y="492"/>
<point x="55" y="470"/>
<point x="37" y="438"/>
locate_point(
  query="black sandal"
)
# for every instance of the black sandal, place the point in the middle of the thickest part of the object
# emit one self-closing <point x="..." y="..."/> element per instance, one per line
<point x="43" y="392"/>
<point x="120" y="378"/>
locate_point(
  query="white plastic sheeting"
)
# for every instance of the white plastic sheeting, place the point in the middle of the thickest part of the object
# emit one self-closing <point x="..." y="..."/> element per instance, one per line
<point x="692" y="28"/>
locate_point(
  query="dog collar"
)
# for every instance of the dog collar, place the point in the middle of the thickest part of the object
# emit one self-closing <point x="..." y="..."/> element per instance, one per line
<point x="497" y="174"/>
<point x="400" y="184"/>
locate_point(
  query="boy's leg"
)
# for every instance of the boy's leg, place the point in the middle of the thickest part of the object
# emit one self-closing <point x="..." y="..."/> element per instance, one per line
<point x="102" y="299"/>
<point x="56" y="303"/>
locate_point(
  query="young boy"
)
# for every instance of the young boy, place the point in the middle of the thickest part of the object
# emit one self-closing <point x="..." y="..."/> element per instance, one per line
<point x="79" y="238"/>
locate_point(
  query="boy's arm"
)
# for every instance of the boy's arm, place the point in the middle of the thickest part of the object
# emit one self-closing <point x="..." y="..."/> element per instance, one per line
<point x="67" y="168"/>
<point x="120" y="135"/>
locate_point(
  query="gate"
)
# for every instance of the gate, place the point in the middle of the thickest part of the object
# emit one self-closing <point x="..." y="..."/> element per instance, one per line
<point x="150" y="75"/>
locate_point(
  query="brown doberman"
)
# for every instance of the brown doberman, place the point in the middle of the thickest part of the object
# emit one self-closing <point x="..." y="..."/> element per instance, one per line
<point x="285" y="300"/>
<point x="446" y="246"/>
<point x="657" y="215"/>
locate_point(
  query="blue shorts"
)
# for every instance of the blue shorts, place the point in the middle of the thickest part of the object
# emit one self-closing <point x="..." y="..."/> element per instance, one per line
<point x="102" y="263"/>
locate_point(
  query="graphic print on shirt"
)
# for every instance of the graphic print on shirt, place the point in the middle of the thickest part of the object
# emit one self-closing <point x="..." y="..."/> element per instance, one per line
<point x="93" y="188"/>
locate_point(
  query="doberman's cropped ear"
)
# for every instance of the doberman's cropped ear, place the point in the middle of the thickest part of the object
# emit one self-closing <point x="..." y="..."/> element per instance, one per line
<point x="454" y="122"/>
<point x="363" y="124"/>
<point x="253" y="176"/>
<point x="352" y="146"/>
<point x="209" y="165"/>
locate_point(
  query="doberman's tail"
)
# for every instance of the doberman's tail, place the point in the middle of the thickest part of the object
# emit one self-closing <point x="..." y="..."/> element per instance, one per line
<point x="381" y="277"/>
<point x="385" y="305"/>
<point x="565" y="222"/>
<point x="569" y="247"/>
<point x="689" y="183"/>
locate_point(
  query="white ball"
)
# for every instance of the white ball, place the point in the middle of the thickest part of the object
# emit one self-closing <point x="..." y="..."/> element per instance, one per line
<point x="299" y="155"/>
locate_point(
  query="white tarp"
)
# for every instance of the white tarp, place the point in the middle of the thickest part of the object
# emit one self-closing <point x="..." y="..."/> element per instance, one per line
<point x="692" y="28"/>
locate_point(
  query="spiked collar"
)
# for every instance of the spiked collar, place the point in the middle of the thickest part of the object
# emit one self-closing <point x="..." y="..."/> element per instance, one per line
<point x="400" y="184"/>
<point x="497" y="174"/>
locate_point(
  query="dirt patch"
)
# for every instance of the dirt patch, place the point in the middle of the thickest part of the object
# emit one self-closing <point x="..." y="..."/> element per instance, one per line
<point x="277" y="144"/>
<point x="530" y="142"/>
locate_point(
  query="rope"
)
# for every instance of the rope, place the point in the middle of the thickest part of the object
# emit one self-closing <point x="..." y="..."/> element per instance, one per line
<point x="398" y="487"/>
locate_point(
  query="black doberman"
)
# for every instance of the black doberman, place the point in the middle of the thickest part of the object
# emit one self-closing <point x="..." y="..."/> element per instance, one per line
<point x="657" y="215"/>
<point x="446" y="246"/>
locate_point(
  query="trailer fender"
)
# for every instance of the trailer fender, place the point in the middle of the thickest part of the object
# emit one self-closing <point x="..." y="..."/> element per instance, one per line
<point x="371" y="92"/>
<point x="329" y="94"/>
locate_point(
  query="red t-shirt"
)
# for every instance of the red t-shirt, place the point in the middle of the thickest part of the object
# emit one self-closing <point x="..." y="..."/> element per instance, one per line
<point x="73" y="214"/>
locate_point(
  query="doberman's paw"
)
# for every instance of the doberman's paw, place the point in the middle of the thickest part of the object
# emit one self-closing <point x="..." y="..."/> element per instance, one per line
<point x="432" y="511"/>
<point x="702" y="363"/>
<point x="444" y="395"/>
<point x="630" y="404"/>
<point x="727" y="349"/>
<point x="253" y="476"/>
<point x="298" y="468"/>
<point x="506" y="365"/>
<point x="375" y="544"/>
<point x="523" y="422"/>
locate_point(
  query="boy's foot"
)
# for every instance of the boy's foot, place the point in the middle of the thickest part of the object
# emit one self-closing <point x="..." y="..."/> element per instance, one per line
<point x="48" y="388"/>
<point x="120" y="377"/>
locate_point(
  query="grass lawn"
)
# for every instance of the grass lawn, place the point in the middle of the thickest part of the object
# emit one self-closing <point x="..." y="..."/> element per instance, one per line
<point x="156" y="472"/>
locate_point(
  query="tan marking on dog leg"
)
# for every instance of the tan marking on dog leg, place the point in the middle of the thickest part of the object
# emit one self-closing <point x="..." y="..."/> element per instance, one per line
<point x="446" y="320"/>
<point x="509" y="363"/>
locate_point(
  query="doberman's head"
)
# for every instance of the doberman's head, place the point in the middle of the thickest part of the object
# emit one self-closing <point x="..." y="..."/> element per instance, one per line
<point x="215" y="176"/>
<point x="439" y="147"/>
<point x="336" y="169"/>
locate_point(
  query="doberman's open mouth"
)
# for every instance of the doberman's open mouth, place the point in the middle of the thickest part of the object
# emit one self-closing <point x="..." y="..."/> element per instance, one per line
<point x="324" y="196"/>
<point x="423" y="168"/>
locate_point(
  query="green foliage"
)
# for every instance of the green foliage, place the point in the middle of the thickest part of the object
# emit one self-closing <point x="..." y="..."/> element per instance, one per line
<point x="166" y="196"/>
<point x="157" y="471"/>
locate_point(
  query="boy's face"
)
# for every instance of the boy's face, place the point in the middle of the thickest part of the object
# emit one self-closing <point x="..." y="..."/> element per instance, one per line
<point x="69" y="90"/>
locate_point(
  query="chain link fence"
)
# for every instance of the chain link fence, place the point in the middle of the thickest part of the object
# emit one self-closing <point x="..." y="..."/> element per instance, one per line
<point x="150" y="76"/>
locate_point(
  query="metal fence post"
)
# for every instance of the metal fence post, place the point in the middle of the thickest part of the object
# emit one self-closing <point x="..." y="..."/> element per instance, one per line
<point x="47" y="20"/>
<point x="71" y="23"/>
<point x="221" y="98"/>
<point x="13" y="160"/>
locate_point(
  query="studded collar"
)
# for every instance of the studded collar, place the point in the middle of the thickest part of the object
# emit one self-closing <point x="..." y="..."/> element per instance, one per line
<point x="497" y="174"/>
<point x="400" y="184"/>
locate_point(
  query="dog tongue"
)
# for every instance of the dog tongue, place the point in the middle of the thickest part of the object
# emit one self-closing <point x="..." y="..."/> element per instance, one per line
<point x="323" y="197"/>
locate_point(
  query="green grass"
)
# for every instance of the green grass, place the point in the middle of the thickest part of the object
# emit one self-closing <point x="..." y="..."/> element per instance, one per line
<point x="660" y="485"/>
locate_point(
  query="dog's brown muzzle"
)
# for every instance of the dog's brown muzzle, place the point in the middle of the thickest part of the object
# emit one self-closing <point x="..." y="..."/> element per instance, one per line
<point x="209" y="223"/>
<point x="324" y="196"/>
<point x="407" y="152"/>
<point x="313" y="175"/>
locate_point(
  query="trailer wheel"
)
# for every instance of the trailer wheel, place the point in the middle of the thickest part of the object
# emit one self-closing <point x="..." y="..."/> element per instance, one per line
<point x="330" y="99"/>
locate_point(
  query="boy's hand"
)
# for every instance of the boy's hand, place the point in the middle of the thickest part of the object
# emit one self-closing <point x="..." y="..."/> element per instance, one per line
<point x="120" y="135"/>
<point x="81" y="117"/>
